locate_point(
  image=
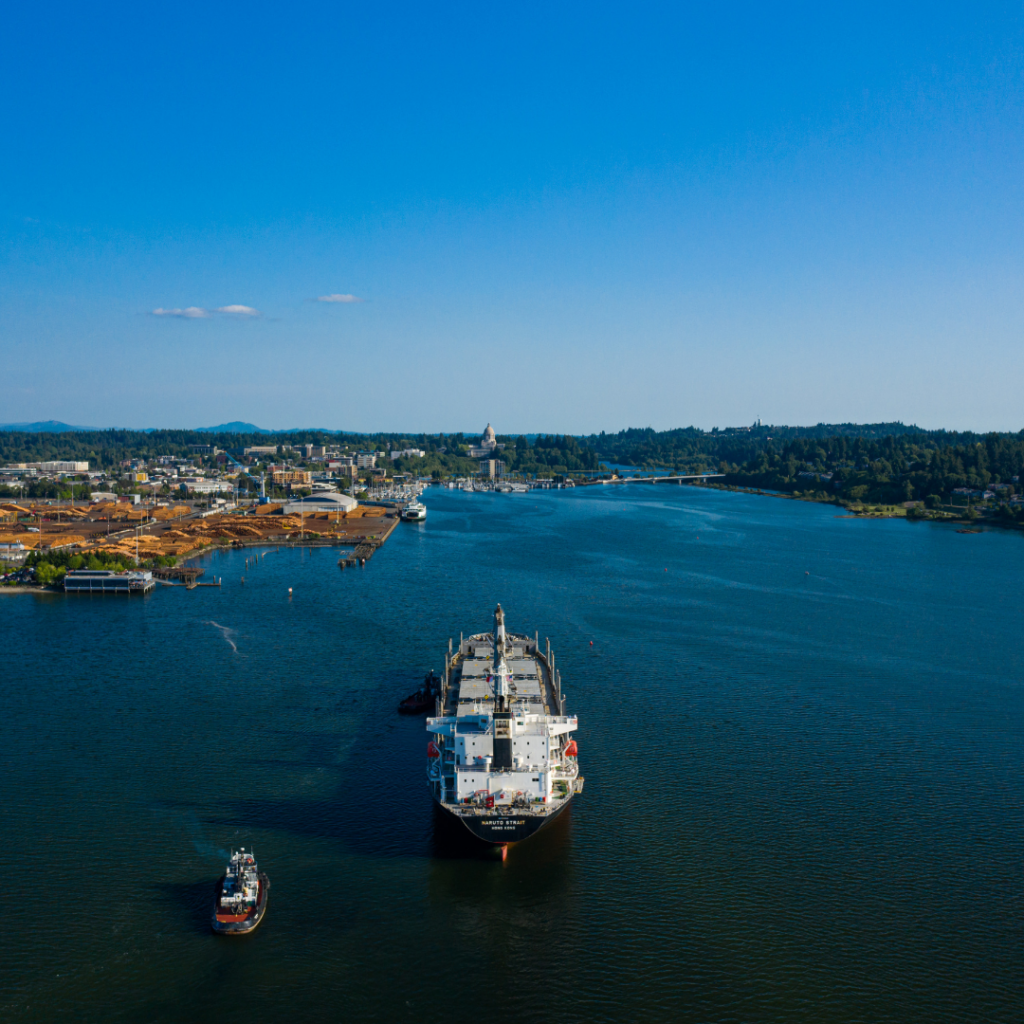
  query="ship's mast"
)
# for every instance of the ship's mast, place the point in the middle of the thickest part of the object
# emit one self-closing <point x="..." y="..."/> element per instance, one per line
<point x="501" y="672"/>
<point x="502" y="716"/>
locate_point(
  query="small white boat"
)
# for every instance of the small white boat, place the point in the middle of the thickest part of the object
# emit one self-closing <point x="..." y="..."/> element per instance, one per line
<point x="414" y="512"/>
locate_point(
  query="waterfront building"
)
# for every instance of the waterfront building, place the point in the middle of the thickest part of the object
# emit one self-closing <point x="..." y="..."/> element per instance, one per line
<point x="105" y="581"/>
<point x="492" y="468"/>
<point x="366" y="460"/>
<point x="321" y="501"/>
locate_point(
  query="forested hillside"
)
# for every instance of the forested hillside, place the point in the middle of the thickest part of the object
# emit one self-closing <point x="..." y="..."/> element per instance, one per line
<point x="861" y="463"/>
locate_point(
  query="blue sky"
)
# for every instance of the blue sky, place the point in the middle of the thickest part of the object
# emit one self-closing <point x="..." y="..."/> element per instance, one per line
<point x="571" y="217"/>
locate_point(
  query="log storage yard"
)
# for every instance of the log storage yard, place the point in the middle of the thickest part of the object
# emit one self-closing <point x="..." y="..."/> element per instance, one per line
<point x="145" y="532"/>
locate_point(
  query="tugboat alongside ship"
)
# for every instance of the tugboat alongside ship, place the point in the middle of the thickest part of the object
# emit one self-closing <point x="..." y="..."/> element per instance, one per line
<point x="424" y="698"/>
<point x="241" y="896"/>
<point x="501" y="759"/>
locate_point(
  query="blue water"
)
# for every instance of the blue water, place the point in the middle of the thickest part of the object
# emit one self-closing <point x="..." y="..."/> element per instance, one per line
<point x="801" y="735"/>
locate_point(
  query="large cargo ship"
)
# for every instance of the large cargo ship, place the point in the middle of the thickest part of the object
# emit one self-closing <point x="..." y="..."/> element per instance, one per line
<point x="502" y="760"/>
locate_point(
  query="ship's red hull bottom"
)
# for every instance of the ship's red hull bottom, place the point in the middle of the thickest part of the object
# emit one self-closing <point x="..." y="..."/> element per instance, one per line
<point x="240" y="924"/>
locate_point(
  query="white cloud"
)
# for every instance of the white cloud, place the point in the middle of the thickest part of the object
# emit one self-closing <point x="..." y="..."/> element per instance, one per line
<point x="239" y="310"/>
<point x="339" y="298"/>
<point x="191" y="313"/>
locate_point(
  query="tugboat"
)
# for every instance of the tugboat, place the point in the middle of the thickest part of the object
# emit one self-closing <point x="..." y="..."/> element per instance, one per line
<point x="501" y="759"/>
<point x="424" y="698"/>
<point x="241" y="896"/>
<point x="414" y="512"/>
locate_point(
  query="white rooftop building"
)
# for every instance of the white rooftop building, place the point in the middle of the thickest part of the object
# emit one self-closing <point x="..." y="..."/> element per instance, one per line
<point x="322" y="501"/>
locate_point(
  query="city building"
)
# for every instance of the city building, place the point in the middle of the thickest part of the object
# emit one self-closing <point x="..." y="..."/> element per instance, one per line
<point x="13" y="551"/>
<point x="492" y="468"/>
<point x="293" y="477"/>
<point x="487" y="446"/>
<point x="366" y="460"/>
<point x="59" y="467"/>
<point x="261" y="449"/>
<point x="197" y="485"/>
<point x="409" y="453"/>
<point x="203" y="449"/>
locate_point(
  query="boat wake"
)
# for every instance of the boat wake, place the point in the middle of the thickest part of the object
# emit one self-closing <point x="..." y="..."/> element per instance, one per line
<point x="226" y="631"/>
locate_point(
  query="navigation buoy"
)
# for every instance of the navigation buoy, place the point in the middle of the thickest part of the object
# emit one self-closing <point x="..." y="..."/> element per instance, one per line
<point x="591" y="643"/>
<point x="289" y="590"/>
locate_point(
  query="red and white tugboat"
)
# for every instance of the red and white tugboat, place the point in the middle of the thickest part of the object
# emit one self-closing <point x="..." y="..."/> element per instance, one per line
<point x="241" y="896"/>
<point x="501" y="759"/>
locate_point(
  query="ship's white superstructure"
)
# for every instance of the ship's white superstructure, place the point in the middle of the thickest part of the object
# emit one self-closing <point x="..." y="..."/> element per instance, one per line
<point x="502" y="759"/>
<point x="241" y="895"/>
<point x="415" y="511"/>
<point x="240" y="888"/>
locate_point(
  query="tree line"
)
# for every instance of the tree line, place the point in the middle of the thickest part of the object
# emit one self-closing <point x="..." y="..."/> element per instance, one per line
<point x="881" y="462"/>
<point x="907" y="464"/>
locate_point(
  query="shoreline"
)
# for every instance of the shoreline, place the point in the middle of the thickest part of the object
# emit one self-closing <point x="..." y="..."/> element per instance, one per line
<point x="923" y="516"/>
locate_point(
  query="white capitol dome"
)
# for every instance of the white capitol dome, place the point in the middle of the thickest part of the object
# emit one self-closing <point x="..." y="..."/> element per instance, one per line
<point x="489" y="433"/>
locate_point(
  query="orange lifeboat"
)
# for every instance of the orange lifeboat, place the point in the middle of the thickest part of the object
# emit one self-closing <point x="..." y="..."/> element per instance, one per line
<point x="571" y="750"/>
<point x="432" y="750"/>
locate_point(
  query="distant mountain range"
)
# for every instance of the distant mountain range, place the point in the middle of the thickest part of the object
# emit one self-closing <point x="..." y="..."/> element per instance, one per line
<point x="237" y="427"/>
<point x="44" y="427"/>
<point x="234" y="427"/>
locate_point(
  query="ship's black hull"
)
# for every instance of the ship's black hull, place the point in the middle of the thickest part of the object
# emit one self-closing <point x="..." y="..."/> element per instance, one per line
<point x="501" y="830"/>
